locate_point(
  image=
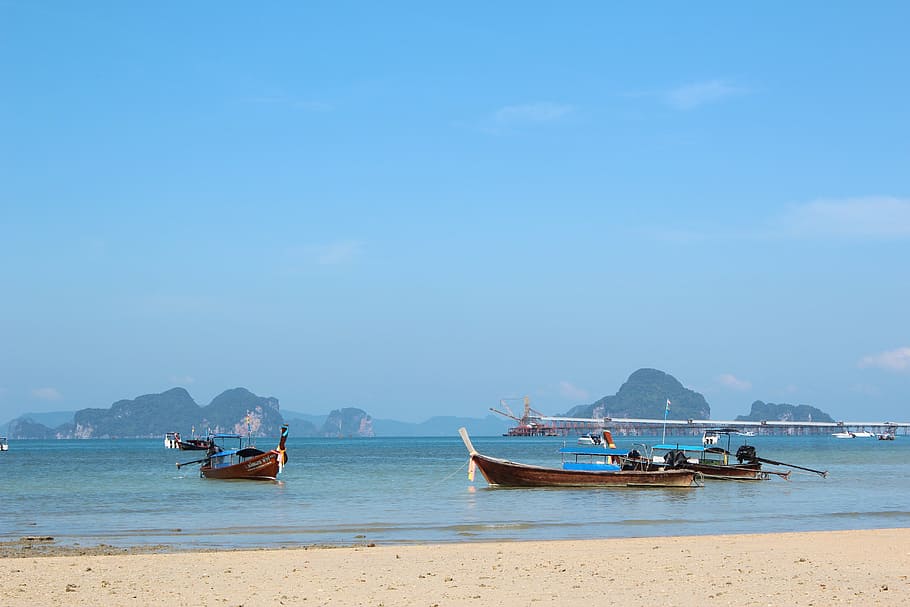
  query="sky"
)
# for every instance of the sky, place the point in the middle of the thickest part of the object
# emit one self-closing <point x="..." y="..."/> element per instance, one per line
<point x="419" y="209"/>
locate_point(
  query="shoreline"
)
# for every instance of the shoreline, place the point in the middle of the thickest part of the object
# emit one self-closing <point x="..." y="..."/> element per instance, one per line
<point x="858" y="567"/>
<point x="37" y="546"/>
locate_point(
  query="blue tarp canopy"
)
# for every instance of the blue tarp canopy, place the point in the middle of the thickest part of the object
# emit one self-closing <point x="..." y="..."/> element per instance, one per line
<point x="699" y="448"/>
<point x="225" y="453"/>
<point x="593" y="451"/>
<point x="591" y="467"/>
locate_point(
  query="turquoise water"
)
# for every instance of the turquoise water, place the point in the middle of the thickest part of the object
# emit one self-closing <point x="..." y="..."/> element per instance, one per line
<point x="406" y="490"/>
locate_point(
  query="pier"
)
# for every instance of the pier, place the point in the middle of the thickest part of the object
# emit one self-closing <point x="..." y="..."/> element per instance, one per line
<point x="625" y="426"/>
<point x="534" y="423"/>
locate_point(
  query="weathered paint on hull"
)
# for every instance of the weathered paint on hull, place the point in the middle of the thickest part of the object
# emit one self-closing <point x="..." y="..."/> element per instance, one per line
<point x="504" y="473"/>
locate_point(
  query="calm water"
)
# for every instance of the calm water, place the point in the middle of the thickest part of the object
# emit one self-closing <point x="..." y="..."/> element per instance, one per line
<point x="406" y="490"/>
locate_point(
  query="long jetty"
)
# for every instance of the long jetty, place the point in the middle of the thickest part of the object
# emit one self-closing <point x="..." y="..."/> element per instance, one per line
<point x="561" y="426"/>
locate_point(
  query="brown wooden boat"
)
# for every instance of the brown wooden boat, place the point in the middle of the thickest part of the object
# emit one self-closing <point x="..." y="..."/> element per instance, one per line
<point x="739" y="472"/>
<point x="714" y="461"/>
<point x="504" y="473"/>
<point x="193" y="444"/>
<point x="247" y="462"/>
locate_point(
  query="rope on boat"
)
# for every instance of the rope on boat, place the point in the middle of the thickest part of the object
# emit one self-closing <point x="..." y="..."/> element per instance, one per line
<point x="455" y="472"/>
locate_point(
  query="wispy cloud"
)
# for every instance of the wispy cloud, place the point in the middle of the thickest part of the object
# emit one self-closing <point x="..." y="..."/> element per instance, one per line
<point x="892" y="360"/>
<point x="729" y="380"/>
<point x="337" y="253"/>
<point x="531" y="113"/>
<point x="46" y="394"/>
<point x="870" y="217"/>
<point x="182" y="380"/>
<point x="697" y="94"/>
<point x="569" y="390"/>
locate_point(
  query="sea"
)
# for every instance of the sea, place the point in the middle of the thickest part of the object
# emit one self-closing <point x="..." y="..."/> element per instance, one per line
<point x="361" y="491"/>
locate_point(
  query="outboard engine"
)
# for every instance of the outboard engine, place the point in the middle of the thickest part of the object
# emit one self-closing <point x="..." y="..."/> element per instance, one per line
<point x="745" y="453"/>
<point x="681" y="460"/>
<point x="633" y="461"/>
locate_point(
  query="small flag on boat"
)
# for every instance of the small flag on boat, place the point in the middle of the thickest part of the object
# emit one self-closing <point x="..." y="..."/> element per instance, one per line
<point x="668" y="404"/>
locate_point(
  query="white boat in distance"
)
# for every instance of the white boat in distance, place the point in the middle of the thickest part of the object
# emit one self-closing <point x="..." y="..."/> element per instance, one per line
<point x="853" y="435"/>
<point x="591" y="438"/>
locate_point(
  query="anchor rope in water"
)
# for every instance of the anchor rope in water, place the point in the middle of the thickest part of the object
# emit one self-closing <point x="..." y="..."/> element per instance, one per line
<point x="454" y="473"/>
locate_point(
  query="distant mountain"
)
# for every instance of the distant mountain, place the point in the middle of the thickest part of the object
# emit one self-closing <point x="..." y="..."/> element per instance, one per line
<point x="302" y="427"/>
<point x="144" y="416"/>
<point x="51" y="419"/>
<point x="26" y="427"/>
<point x="239" y="410"/>
<point x="349" y="421"/>
<point x="42" y="425"/>
<point x="296" y="416"/>
<point x="644" y="395"/>
<point x="151" y="415"/>
<point x="784" y="413"/>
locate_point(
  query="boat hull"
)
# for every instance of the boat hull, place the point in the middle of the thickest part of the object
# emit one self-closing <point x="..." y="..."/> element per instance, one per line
<point x="261" y="467"/>
<point x="503" y="473"/>
<point x="185" y="446"/>
<point x="739" y="472"/>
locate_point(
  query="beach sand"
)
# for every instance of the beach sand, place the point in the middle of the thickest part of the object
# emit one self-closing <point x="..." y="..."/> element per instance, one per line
<point x="820" y="568"/>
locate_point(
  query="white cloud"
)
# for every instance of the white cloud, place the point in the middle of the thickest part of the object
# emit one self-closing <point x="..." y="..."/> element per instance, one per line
<point x="734" y="383"/>
<point x="893" y="360"/>
<point x="182" y="380"/>
<point x="569" y="390"/>
<point x="870" y="217"/>
<point x="531" y="113"/>
<point x="691" y="96"/>
<point x="46" y="394"/>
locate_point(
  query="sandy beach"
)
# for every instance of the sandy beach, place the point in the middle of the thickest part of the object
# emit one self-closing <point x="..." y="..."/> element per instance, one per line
<point x="819" y="568"/>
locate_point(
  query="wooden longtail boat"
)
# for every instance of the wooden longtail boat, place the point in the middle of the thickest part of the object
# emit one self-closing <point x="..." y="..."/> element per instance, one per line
<point x="243" y="462"/>
<point x="173" y="439"/>
<point x="699" y="459"/>
<point x="193" y="444"/>
<point x="710" y="459"/>
<point x="504" y="473"/>
<point x="717" y="462"/>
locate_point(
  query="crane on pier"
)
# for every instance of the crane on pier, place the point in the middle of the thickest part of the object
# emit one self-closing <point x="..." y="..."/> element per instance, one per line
<point x="529" y="422"/>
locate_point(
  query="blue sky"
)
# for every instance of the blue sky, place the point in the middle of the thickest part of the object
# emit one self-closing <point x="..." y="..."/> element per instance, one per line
<point x="418" y="209"/>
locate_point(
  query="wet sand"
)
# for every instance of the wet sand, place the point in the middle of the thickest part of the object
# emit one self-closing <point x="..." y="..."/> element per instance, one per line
<point x="819" y="569"/>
